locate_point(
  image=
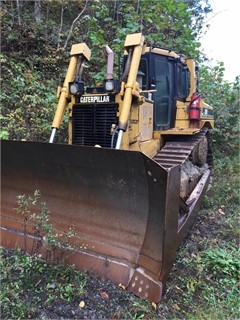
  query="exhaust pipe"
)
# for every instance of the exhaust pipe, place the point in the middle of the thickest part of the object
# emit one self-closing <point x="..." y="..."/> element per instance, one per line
<point x="109" y="62"/>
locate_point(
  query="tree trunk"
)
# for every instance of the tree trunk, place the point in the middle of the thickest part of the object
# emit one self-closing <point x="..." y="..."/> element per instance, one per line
<point x="18" y="12"/>
<point x="37" y="10"/>
<point x="60" y="28"/>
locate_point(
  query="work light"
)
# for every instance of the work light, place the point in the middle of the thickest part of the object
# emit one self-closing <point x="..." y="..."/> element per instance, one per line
<point x="76" y="88"/>
<point x="109" y="85"/>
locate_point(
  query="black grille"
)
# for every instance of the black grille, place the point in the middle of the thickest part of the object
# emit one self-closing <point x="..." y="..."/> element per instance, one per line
<point x="92" y="124"/>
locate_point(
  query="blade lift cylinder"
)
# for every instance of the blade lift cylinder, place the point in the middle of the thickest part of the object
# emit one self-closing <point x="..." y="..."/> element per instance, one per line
<point x="78" y="51"/>
<point x="136" y="40"/>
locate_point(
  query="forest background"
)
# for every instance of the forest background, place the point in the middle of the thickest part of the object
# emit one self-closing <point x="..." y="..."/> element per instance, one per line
<point x="36" y="38"/>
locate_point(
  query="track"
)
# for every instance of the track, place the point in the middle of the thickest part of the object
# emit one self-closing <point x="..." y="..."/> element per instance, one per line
<point x="176" y="152"/>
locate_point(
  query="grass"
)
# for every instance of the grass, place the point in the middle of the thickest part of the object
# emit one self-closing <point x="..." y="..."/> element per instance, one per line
<point x="30" y="279"/>
<point x="204" y="283"/>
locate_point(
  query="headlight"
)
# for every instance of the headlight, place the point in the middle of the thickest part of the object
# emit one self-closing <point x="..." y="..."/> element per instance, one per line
<point x="109" y="85"/>
<point x="76" y="88"/>
<point x="73" y="88"/>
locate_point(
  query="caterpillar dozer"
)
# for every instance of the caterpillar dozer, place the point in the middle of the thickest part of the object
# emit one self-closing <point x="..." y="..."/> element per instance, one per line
<point x="132" y="177"/>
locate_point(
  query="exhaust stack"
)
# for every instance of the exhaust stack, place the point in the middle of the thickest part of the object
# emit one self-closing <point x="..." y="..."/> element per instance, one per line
<point x="110" y="56"/>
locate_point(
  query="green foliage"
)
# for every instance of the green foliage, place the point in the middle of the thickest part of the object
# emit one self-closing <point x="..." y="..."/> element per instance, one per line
<point x="45" y="232"/>
<point x="23" y="276"/>
<point x="26" y="101"/>
<point x="230" y="165"/>
<point x="222" y="262"/>
<point x="211" y="286"/>
<point x="224" y="195"/>
<point x="4" y="134"/>
<point x="224" y="97"/>
<point x="221" y="267"/>
<point x="227" y="168"/>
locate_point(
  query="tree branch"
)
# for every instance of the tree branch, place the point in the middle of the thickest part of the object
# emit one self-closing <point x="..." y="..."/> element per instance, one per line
<point x="74" y="21"/>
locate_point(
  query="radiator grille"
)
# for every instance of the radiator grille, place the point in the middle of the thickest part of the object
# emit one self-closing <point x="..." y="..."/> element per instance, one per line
<point x="92" y="124"/>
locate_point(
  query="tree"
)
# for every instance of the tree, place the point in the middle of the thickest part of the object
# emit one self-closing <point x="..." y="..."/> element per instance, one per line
<point x="224" y="97"/>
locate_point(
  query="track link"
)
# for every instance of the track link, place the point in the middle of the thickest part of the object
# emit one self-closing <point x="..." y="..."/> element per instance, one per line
<point x="176" y="152"/>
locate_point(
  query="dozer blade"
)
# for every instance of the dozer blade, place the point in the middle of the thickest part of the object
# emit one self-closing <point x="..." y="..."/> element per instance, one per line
<point x="123" y="205"/>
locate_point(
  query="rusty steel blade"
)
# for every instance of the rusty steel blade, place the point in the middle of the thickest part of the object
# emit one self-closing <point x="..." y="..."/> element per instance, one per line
<point x="120" y="203"/>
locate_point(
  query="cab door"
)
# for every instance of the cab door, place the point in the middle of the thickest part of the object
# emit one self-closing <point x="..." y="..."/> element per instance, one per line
<point x="164" y="97"/>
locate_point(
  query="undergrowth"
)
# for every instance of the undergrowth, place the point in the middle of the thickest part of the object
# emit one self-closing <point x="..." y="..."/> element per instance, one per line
<point x="36" y="215"/>
<point x="29" y="281"/>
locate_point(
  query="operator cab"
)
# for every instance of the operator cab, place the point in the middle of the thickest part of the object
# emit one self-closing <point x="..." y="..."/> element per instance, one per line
<point x="169" y="79"/>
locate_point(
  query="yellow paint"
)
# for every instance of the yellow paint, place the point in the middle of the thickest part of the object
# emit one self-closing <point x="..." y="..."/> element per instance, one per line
<point x="81" y="48"/>
<point x="64" y="98"/>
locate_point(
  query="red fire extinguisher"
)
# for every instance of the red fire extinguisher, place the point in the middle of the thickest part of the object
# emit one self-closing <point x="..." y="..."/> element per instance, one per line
<point x="194" y="107"/>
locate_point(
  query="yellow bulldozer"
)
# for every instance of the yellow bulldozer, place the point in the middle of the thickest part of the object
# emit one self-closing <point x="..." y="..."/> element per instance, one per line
<point x="132" y="177"/>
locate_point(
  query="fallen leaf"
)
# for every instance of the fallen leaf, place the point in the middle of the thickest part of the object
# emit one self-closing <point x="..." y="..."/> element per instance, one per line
<point x="82" y="304"/>
<point x="154" y="305"/>
<point x="178" y="288"/>
<point x="104" y="295"/>
<point x="122" y="286"/>
<point x="175" y="306"/>
<point x="38" y="282"/>
<point x="220" y="211"/>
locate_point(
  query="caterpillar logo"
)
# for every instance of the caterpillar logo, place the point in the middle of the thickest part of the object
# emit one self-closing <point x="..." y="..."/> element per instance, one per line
<point x="94" y="99"/>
